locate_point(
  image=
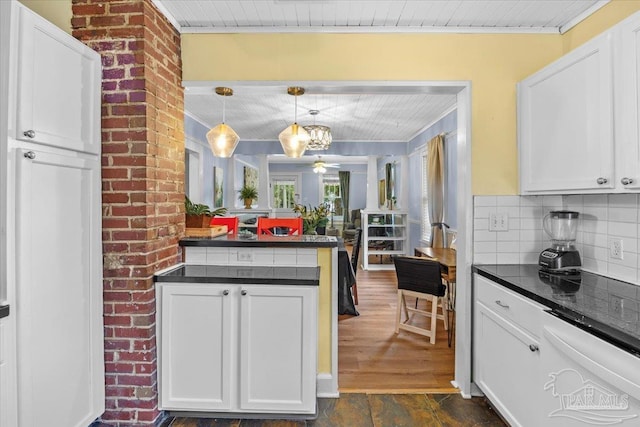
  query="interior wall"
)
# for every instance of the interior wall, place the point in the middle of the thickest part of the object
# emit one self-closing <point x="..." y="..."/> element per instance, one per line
<point x="493" y="63"/>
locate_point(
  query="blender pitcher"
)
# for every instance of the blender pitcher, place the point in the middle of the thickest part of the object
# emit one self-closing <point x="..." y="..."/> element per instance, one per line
<point x="562" y="256"/>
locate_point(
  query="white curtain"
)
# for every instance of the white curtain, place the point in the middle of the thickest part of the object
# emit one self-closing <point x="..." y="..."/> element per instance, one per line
<point x="435" y="190"/>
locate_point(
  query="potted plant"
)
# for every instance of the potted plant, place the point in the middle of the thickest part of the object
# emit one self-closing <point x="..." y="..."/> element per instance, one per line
<point x="314" y="220"/>
<point x="248" y="194"/>
<point x="198" y="215"/>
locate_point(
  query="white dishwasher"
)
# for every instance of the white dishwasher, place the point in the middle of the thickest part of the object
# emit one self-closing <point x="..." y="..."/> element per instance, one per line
<point x="586" y="380"/>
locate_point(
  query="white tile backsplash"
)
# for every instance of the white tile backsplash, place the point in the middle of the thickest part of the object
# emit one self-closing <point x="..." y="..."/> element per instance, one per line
<point x="602" y="217"/>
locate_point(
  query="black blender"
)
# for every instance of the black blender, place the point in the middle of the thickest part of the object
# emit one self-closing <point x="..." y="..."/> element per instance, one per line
<point x="562" y="257"/>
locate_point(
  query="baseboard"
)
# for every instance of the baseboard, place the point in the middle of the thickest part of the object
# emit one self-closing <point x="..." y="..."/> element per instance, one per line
<point x="327" y="386"/>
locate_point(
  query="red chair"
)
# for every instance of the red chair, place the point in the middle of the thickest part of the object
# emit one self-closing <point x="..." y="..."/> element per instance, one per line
<point x="230" y="221"/>
<point x="268" y="226"/>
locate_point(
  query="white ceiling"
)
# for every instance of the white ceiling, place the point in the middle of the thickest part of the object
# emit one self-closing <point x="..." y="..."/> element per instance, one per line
<point x="377" y="15"/>
<point x="355" y="112"/>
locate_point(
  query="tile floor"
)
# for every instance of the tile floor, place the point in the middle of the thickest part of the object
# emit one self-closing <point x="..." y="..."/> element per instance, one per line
<point x="377" y="410"/>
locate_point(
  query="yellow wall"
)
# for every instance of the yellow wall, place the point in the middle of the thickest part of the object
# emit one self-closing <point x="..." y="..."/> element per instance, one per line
<point x="324" y="311"/>
<point x="493" y="64"/>
<point x="55" y="11"/>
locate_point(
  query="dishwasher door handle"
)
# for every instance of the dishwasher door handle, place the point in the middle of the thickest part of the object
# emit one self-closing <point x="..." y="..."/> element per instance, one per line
<point x="590" y="359"/>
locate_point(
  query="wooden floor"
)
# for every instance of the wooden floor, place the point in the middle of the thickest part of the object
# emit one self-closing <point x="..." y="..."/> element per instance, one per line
<point x="372" y="358"/>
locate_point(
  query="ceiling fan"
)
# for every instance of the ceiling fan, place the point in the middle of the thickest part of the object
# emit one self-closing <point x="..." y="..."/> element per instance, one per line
<point x="320" y="166"/>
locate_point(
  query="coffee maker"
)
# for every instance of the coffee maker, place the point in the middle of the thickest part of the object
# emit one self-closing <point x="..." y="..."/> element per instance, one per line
<point x="562" y="257"/>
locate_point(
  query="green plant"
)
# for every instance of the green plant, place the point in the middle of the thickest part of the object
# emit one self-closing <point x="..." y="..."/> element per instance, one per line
<point x="313" y="218"/>
<point x="191" y="208"/>
<point x="248" y="192"/>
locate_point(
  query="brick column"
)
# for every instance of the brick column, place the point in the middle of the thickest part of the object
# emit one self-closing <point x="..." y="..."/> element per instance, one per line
<point x="142" y="188"/>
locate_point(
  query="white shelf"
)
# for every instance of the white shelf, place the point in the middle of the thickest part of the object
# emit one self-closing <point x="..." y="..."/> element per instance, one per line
<point x="394" y="226"/>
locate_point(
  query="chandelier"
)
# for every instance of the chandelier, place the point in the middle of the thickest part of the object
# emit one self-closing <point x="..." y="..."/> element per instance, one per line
<point x="320" y="135"/>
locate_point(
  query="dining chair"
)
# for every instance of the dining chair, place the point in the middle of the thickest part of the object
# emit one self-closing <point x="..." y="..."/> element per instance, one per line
<point x="355" y="253"/>
<point x="420" y="278"/>
<point x="275" y="226"/>
<point x="230" y="221"/>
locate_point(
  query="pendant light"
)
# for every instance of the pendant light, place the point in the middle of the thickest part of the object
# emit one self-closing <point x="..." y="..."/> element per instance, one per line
<point x="222" y="139"/>
<point x="294" y="139"/>
<point x="320" y="135"/>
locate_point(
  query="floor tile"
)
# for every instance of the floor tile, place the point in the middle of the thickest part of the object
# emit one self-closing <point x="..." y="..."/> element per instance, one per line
<point x="351" y="409"/>
<point x="454" y="410"/>
<point x="402" y="410"/>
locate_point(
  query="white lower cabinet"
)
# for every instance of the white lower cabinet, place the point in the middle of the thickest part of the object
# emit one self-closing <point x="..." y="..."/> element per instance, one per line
<point x="237" y="348"/>
<point x="506" y="351"/>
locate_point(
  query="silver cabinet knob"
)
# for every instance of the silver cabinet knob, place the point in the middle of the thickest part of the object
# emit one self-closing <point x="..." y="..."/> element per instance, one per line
<point x="533" y="347"/>
<point x="225" y="292"/>
<point x="29" y="133"/>
<point x="601" y="181"/>
<point x="626" y="181"/>
<point x="501" y="304"/>
<point x="30" y="155"/>
<point x="243" y="292"/>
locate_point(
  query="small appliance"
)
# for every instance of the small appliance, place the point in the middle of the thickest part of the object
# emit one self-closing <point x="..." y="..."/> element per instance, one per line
<point x="562" y="257"/>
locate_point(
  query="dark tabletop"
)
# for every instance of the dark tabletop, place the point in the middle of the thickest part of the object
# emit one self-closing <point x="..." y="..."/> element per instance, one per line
<point x="309" y="276"/>
<point x="606" y="307"/>
<point x="264" y="241"/>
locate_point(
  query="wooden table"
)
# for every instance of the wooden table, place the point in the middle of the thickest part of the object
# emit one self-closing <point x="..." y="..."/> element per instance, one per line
<point x="447" y="259"/>
<point x="445" y="256"/>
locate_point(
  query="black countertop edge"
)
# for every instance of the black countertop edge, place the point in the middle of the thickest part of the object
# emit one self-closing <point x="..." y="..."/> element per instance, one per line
<point x="4" y="311"/>
<point x="517" y="289"/>
<point x="581" y="320"/>
<point x="241" y="275"/>
<point x="261" y="242"/>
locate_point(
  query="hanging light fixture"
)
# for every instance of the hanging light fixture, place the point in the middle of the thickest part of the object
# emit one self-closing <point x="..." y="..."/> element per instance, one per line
<point x="294" y="139"/>
<point x="318" y="166"/>
<point x="222" y="139"/>
<point x="320" y="135"/>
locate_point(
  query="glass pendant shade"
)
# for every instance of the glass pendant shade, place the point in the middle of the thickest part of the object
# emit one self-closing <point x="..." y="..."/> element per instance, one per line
<point x="222" y="140"/>
<point x="294" y="140"/>
<point x="320" y="137"/>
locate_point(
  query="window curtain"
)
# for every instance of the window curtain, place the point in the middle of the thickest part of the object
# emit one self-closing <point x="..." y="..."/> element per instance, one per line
<point x="345" y="178"/>
<point x="435" y="190"/>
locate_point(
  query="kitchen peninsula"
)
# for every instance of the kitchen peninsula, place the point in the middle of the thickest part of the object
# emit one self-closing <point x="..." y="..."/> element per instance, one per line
<point x="249" y="325"/>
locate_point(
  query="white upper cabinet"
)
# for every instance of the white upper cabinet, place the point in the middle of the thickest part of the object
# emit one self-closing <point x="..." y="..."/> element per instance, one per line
<point x="578" y="118"/>
<point x="627" y="95"/>
<point x="565" y="122"/>
<point x="57" y="106"/>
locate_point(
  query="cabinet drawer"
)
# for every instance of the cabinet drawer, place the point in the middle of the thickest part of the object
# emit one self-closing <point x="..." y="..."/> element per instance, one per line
<point x="508" y="304"/>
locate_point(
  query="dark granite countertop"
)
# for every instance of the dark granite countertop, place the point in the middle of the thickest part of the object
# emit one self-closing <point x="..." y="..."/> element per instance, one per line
<point x="264" y="241"/>
<point x="605" y="307"/>
<point x="4" y="311"/>
<point x="309" y="276"/>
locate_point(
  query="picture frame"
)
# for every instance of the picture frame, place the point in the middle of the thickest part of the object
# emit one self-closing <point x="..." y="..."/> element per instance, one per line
<point x="218" y="187"/>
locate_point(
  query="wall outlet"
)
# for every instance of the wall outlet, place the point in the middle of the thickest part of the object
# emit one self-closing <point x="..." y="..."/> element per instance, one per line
<point x="498" y="221"/>
<point x="615" y="249"/>
<point x="245" y="256"/>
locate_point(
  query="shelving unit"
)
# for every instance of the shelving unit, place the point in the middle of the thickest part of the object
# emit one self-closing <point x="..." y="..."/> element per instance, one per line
<point x="384" y="234"/>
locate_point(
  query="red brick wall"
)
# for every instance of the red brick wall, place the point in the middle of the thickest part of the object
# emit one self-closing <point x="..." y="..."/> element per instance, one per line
<point x="142" y="187"/>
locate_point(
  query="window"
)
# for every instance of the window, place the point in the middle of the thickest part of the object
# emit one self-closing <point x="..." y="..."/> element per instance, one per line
<point x="331" y="194"/>
<point x="425" y="222"/>
<point x="284" y="191"/>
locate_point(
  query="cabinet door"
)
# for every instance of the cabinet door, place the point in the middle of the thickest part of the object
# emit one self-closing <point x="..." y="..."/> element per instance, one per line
<point x="196" y="346"/>
<point x="59" y="289"/>
<point x="278" y="335"/>
<point x="628" y="105"/>
<point x="505" y="367"/>
<point x="565" y="122"/>
<point x="58" y="87"/>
